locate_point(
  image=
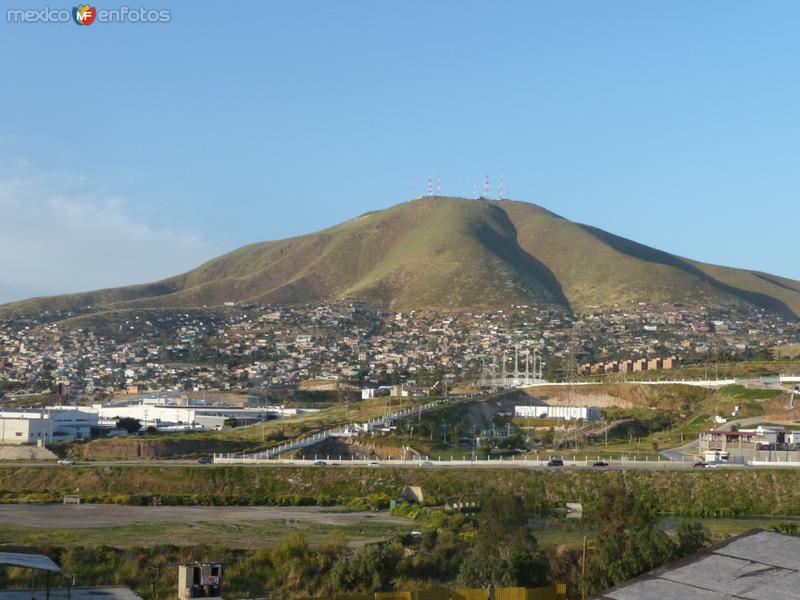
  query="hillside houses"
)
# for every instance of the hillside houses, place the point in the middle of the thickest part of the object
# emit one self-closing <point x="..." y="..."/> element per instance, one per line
<point x="268" y="345"/>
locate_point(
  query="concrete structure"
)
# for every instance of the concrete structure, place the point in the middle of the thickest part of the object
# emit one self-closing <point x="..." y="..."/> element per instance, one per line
<point x="568" y="413"/>
<point x="758" y="565"/>
<point x="413" y="493"/>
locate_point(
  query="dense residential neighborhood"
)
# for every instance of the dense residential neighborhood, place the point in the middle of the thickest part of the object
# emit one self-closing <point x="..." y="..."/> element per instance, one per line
<point x="255" y="346"/>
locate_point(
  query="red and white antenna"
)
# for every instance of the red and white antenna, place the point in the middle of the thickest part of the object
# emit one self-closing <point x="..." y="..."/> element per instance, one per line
<point x="500" y="188"/>
<point x="430" y="187"/>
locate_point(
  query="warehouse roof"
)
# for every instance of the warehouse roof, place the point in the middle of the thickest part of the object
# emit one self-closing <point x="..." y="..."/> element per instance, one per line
<point x="757" y="565"/>
<point x="111" y="592"/>
<point x="26" y="557"/>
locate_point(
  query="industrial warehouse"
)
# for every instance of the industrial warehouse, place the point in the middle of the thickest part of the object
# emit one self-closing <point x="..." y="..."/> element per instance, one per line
<point x="41" y="426"/>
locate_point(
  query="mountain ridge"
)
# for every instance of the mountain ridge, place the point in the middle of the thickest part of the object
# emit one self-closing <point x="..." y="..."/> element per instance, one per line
<point x="449" y="254"/>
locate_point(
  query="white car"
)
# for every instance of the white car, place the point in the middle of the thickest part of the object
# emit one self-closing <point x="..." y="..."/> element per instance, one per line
<point x="66" y="461"/>
<point x="374" y="464"/>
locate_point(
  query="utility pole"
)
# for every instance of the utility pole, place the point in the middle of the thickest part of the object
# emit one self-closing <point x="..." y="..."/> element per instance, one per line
<point x="583" y="570"/>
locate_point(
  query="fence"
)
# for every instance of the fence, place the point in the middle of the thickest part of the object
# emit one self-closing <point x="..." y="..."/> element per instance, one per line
<point x="316" y="438"/>
<point x="582" y="460"/>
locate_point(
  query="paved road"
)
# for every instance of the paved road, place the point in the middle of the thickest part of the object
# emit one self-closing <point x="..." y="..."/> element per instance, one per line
<point x="746" y="422"/>
<point x="681" y="453"/>
<point x="614" y="464"/>
<point x="107" y="515"/>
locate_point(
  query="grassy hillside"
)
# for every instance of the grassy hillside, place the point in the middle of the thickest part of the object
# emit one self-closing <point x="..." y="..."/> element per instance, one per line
<point x="449" y="254"/>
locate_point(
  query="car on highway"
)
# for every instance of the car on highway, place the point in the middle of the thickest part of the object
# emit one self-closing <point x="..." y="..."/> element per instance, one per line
<point x="66" y="461"/>
<point x="426" y="463"/>
<point x="374" y="464"/>
<point x="205" y="460"/>
<point x="320" y="463"/>
<point x="600" y="464"/>
<point x="700" y="464"/>
<point x="555" y="462"/>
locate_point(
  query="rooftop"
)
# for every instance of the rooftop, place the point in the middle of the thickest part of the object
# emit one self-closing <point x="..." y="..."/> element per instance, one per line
<point x="112" y="592"/>
<point x="19" y="556"/>
<point x="759" y="565"/>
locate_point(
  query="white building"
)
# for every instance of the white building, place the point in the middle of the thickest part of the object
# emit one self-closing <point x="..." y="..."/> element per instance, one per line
<point x="24" y="431"/>
<point x="53" y="423"/>
<point x="148" y="414"/>
<point x="568" y="413"/>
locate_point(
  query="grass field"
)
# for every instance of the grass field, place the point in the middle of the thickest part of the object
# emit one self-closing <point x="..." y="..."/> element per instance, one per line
<point x="551" y="532"/>
<point x="226" y="535"/>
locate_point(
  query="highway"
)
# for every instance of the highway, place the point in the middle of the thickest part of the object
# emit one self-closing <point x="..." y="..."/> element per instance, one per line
<point x="569" y="465"/>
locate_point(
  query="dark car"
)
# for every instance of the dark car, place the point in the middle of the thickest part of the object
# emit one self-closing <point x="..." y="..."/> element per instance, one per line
<point x="700" y="464"/>
<point x="600" y="463"/>
<point x="555" y="462"/>
<point x="205" y="460"/>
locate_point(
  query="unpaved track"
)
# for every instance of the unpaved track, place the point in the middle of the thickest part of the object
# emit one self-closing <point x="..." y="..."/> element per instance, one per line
<point x="109" y="515"/>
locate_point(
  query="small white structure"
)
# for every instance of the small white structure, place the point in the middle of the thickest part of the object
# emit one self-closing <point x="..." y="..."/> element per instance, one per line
<point x="199" y="580"/>
<point x="568" y="413"/>
<point x="367" y="393"/>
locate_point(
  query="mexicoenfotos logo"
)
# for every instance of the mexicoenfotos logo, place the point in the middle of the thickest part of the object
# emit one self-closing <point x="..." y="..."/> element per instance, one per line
<point x="83" y="14"/>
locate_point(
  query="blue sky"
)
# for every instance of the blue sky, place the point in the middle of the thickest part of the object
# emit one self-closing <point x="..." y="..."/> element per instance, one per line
<point x="130" y="152"/>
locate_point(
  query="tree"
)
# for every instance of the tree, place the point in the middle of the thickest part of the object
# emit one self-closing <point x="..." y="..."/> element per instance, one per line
<point x="129" y="424"/>
<point x="505" y="552"/>
<point x="503" y="526"/>
<point x="370" y="569"/>
<point x="628" y="541"/>
<point x="692" y="537"/>
<point x="481" y="569"/>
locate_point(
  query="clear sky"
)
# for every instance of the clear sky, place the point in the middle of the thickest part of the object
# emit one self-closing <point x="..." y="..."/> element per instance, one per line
<point x="129" y="152"/>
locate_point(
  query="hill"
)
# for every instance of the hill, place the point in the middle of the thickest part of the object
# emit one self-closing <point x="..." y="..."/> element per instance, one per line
<point x="448" y="254"/>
